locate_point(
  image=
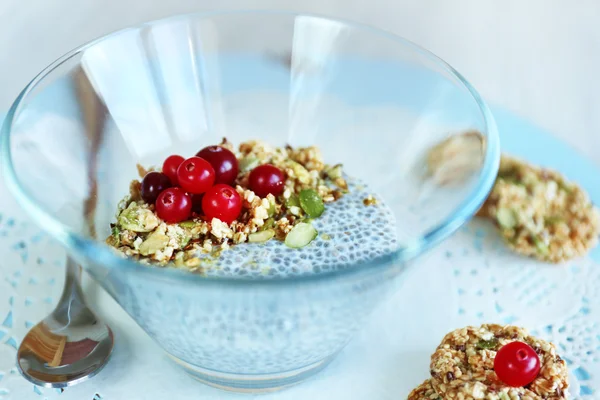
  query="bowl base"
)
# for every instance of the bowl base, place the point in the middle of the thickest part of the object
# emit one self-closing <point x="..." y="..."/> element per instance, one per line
<point x="255" y="383"/>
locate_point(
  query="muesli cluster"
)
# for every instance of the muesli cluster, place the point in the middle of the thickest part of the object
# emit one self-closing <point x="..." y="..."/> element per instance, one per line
<point x="494" y="362"/>
<point x="225" y="196"/>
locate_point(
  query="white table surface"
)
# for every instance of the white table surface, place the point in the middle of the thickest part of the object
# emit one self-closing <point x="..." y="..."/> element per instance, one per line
<point x="539" y="58"/>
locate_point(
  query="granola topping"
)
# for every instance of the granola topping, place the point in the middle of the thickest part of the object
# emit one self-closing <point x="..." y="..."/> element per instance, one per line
<point x="313" y="196"/>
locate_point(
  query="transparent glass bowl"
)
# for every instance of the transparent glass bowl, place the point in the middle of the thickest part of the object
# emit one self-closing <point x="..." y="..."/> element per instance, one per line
<point x="368" y="99"/>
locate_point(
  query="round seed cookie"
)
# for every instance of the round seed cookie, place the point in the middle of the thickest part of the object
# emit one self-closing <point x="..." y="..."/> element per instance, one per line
<point x="424" y="392"/>
<point x="540" y="214"/>
<point x="462" y="367"/>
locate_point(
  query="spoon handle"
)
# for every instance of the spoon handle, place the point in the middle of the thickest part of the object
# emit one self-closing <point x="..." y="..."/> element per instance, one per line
<point x="71" y="304"/>
<point x="72" y="286"/>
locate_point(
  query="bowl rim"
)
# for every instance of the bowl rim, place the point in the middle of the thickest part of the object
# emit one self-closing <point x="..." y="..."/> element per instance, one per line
<point x="101" y="254"/>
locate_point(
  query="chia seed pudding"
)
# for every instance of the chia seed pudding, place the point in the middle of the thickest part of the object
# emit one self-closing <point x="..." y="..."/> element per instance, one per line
<point x="257" y="211"/>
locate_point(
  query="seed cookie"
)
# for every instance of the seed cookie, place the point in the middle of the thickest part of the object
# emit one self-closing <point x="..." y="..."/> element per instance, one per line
<point x="424" y="392"/>
<point x="540" y="214"/>
<point x="463" y="367"/>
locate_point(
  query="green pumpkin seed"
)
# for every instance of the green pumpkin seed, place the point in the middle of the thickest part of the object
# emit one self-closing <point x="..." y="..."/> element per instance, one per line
<point x="553" y="220"/>
<point x="540" y="245"/>
<point x="506" y="218"/>
<point x="487" y="344"/>
<point x="138" y="219"/>
<point x="262" y="236"/>
<point x="248" y="163"/>
<point x="300" y="235"/>
<point x="269" y="223"/>
<point x="311" y="203"/>
<point x="154" y="242"/>
<point x="292" y="201"/>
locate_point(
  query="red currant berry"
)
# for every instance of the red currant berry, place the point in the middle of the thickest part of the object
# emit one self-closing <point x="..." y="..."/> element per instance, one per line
<point x="152" y="185"/>
<point x="223" y="161"/>
<point x="222" y="202"/>
<point x="170" y="167"/>
<point x="516" y="364"/>
<point x="173" y="205"/>
<point x="195" y="175"/>
<point x="266" y="179"/>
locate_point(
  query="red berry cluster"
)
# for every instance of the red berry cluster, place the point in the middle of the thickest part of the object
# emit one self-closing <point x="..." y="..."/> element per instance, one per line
<point x="204" y="184"/>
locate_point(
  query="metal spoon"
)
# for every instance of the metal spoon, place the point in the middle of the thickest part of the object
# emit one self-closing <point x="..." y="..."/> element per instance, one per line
<point x="70" y="345"/>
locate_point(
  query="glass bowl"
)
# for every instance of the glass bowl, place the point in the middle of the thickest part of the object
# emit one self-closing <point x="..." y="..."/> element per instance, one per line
<point x="370" y="100"/>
